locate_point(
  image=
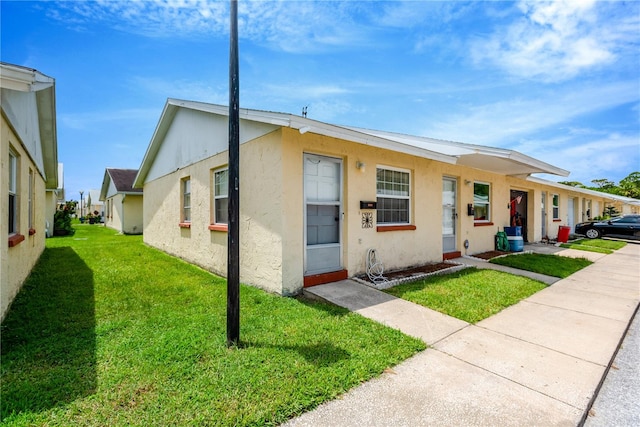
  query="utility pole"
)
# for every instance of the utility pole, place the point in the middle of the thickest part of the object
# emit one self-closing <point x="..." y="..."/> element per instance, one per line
<point x="233" y="237"/>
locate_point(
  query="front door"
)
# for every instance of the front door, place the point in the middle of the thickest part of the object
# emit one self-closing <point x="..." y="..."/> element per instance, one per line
<point x="543" y="215"/>
<point x="449" y="215"/>
<point x="323" y="214"/>
<point x="571" y="213"/>
<point x="518" y="209"/>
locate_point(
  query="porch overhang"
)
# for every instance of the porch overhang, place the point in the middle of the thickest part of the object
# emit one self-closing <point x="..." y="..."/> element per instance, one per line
<point x="496" y="160"/>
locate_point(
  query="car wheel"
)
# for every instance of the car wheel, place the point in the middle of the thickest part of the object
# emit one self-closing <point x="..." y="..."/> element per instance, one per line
<point x="593" y="233"/>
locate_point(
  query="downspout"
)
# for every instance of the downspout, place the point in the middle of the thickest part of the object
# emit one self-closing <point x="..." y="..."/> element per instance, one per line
<point x="124" y="196"/>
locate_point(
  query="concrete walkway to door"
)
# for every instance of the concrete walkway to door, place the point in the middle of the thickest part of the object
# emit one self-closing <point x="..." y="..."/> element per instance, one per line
<point x="539" y="362"/>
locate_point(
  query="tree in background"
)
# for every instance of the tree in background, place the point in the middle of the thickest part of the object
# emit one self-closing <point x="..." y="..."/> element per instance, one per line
<point x="62" y="219"/>
<point x="630" y="186"/>
<point x="573" y="184"/>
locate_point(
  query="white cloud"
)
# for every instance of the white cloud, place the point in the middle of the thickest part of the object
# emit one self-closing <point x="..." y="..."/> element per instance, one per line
<point x="300" y="91"/>
<point x="503" y="122"/>
<point x="556" y="41"/>
<point x="89" y="120"/>
<point x="290" y="26"/>
<point x="183" y="89"/>
<point x="612" y="156"/>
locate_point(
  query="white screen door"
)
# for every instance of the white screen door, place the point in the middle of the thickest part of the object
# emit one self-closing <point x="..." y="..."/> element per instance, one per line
<point x="571" y="212"/>
<point x="449" y="215"/>
<point x="543" y="216"/>
<point x="323" y="214"/>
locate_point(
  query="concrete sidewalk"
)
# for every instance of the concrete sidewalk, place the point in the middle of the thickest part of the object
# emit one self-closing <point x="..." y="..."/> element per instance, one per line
<point x="538" y="362"/>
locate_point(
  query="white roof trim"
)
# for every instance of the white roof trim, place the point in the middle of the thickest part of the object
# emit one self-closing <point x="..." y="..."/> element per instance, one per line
<point x="496" y="160"/>
<point x="23" y="79"/>
<point x="580" y="190"/>
<point x="301" y="124"/>
<point x="304" y="125"/>
<point x="512" y="162"/>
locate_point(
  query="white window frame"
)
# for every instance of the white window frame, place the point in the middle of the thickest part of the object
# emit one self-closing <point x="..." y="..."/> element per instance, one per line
<point x="555" y="206"/>
<point x="218" y="196"/>
<point x="185" y="189"/>
<point x="13" y="194"/>
<point x="382" y="195"/>
<point x="487" y="203"/>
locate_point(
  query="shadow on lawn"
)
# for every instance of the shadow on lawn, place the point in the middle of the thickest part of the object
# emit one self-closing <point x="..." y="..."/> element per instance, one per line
<point x="319" y="354"/>
<point x="48" y="341"/>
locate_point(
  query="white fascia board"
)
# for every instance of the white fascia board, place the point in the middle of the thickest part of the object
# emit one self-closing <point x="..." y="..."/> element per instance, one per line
<point x="302" y="123"/>
<point x="366" y="138"/>
<point x="168" y="113"/>
<point x="106" y="181"/>
<point x="308" y="125"/>
<point x="47" y="123"/>
<point x="539" y="164"/>
<point x="460" y="149"/>
<point x="278" y="119"/>
<point x="23" y="79"/>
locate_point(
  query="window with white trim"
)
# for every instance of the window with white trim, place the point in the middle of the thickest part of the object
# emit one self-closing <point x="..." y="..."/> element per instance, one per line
<point x="481" y="201"/>
<point x="186" y="200"/>
<point x="13" y="193"/>
<point x="556" y="206"/>
<point x="221" y="196"/>
<point x="393" y="192"/>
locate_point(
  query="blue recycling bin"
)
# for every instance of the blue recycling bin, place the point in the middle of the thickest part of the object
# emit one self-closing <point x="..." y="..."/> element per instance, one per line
<point x="513" y="231"/>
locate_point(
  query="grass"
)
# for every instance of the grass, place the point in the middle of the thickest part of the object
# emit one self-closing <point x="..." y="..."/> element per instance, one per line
<point x="550" y="265"/>
<point x="107" y="331"/>
<point x="595" y="245"/>
<point x="470" y="295"/>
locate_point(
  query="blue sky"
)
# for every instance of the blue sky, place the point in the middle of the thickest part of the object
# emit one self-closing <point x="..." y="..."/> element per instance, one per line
<point x="559" y="81"/>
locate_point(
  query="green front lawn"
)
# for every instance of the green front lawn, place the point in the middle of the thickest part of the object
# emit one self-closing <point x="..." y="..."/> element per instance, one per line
<point x="107" y="331"/>
<point x="471" y="294"/>
<point x="550" y="265"/>
<point x="595" y="245"/>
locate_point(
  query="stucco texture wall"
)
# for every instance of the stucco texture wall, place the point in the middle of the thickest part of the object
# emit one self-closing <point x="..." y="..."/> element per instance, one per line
<point x="272" y="210"/>
<point x="16" y="262"/>
<point x="261" y="220"/>
<point x="124" y="213"/>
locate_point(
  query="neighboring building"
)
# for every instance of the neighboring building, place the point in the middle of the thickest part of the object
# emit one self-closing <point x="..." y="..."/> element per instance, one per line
<point x="122" y="203"/>
<point x="625" y="205"/>
<point x="315" y="197"/>
<point x="93" y="204"/>
<point x="29" y="159"/>
<point x="54" y="199"/>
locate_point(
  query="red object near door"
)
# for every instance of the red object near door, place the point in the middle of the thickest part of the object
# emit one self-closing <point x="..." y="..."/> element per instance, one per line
<point x="563" y="234"/>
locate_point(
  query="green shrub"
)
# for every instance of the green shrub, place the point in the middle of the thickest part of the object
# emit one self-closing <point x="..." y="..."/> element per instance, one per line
<point x="62" y="220"/>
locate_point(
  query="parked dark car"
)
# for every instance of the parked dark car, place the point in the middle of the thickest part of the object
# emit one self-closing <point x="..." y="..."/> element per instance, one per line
<point x="627" y="226"/>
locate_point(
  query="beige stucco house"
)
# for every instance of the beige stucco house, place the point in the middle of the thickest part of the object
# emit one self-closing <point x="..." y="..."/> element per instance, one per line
<point x="93" y="203"/>
<point x="54" y="199"/>
<point x="122" y="203"/>
<point x="315" y="197"/>
<point x="29" y="160"/>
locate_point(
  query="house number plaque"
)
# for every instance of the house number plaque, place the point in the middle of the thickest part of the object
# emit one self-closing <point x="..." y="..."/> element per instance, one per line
<point x="367" y="220"/>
